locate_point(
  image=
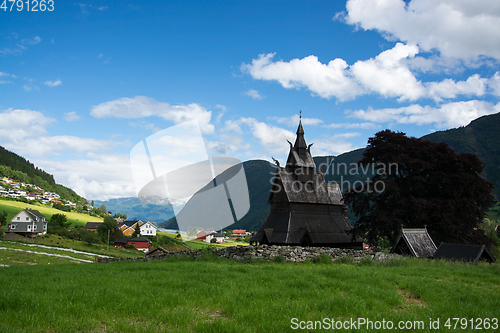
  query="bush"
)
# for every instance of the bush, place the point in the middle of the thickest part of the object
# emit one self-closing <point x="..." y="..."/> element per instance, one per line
<point x="366" y="261"/>
<point x="345" y="260"/>
<point x="323" y="258"/>
<point x="129" y="247"/>
<point x="279" y="259"/>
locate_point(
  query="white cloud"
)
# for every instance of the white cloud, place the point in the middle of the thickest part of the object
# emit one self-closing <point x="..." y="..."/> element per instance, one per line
<point x="8" y="75"/>
<point x="16" y="125"/>
<point x="253" y="93"/>
<point x="365" y="126"/>
<point x="55" y="145"/>
<point x="142" y="106"/>
<point x="31" y="41"/>
<point x="5" y="82"/>
<point x="388" y="76"/>
<point x="71" y="116"/>
<point x="448" y="88"/>
<point x="331" y="80"/>
<point x="494" y="84"/>
<point x="52" y="84"/>
<point x="333" y="145"/>
<point x="293" y="121"/>
<point x="446" y="116"/>
<point x="101" y="177"/>
<point x="456" y="28"/>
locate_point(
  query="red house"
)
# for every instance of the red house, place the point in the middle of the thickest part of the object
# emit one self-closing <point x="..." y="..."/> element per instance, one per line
<point x="201" y="235"/>
<point x="239" y="233"/>
<point x="140" y="243"/>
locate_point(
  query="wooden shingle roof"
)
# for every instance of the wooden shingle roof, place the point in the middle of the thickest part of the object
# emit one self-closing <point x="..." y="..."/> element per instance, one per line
<point x="415" y="242"/>
<point x="463" y="252"/>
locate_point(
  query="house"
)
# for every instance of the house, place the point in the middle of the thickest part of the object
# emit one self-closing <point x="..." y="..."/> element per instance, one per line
<point x="140" y="243"/>
<point x="219" y="238"/>
<point x="472" y="253"/>
<point x="92" y="226"/>
<point x="239" y="233"/>
<point x="201" y="235"/>
<point x="305" y="210"/>
<point x="128" y="227"/>
<point x="156" y="252"/>
<point x="28" y="222"/>
<point x="148" y="229"/>
<point x="414" y="242"/>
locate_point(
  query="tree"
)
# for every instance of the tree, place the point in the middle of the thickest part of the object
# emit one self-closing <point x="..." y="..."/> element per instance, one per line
<point x="3" y="218"/>
<point x="110" y="224"/>
<point x="59" y="220"/>
<point x="418" y="183"/>
<point x="137" y="230"/>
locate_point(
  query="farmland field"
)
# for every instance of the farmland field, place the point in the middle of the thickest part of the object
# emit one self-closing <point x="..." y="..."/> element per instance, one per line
<point x="14" y="207"/>
<point x="216" y="295"/>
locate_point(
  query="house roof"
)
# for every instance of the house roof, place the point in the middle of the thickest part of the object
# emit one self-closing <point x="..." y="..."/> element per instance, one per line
<point x="463" y="252"/>
<point x="34" y="213"/>
<point x="128" y="223"/>
<point x="157" y="251"/>
<point x="216" y="234"/>
<point x="239" y="231"/>
<point x="92" y="225"/>
<point x="415" y="242"/>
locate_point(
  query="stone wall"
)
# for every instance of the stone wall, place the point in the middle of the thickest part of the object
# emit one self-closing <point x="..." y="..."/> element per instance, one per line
<point x="289" y="253"/>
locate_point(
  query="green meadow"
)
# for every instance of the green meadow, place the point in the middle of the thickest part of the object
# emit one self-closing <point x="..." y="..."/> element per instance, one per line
<point x="216" y="295"/>
<point x="14" y="207"/>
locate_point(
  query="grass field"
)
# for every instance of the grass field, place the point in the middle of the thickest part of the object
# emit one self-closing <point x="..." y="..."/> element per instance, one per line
<point x="58" y="241"/>
<point x="209" y="295"/>
<point x="14" y="207"/>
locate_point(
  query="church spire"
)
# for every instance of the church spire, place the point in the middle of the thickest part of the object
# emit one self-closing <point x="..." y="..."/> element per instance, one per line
<point x="300" y="142"/>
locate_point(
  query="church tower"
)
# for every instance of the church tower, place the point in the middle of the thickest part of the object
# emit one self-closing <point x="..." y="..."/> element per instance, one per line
<point x="305" y="210"/>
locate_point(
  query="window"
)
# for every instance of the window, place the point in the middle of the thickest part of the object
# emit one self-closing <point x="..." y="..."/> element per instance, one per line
<point x="27" y="218"/>
<point x="29" y="228"/>
<point x="34" y="227"/>
<point x="44" y="227"/>
<point x="12" y="226"/>
<point x="18" y="218"/>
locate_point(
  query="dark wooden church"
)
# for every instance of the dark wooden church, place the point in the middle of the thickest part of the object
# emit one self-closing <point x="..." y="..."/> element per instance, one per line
<point x="305" y="210"/>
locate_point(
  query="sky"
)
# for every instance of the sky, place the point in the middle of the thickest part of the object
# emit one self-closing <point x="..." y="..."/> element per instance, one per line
<point x="84" y="83"/>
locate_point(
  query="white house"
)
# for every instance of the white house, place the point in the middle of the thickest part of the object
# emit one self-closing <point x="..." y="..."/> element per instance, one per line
<point x="219" y="238"/>
<point x="148" y="229"/>
<point x="28" y="222"/>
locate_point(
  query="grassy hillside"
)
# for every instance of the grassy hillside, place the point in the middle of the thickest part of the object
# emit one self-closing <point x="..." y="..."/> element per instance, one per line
<point x="221" y="296"/>
<point x="14" y="207"/>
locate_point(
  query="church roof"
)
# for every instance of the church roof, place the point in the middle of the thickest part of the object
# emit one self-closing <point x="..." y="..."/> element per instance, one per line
<point x="415" y="242"/>
<point x="463" y="252"/>
<point x="316" y="191"/>
<point x="300" y="155"/>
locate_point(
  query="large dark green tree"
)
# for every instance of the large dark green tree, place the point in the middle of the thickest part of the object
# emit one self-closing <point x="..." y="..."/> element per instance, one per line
<point x="110" y="224"/>
<point x="419" y="183"/>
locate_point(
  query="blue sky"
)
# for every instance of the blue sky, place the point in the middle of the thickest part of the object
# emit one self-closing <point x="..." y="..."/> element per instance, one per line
<point x="81" y="85"/>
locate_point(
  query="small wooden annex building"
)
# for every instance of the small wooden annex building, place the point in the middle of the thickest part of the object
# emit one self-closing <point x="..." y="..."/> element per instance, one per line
<point x="157" y="252"/>
<point x="463" y="252"/>
<point x="305" y="210"/>
<point x="92" y="226"/>
<point x="414" y="242"/>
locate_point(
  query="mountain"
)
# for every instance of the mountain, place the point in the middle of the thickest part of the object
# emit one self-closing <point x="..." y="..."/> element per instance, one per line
<point x="18" y="168"/>
<point x="259" y="174"/>
<point x="134" y="208"/>
<point x="480" y="137"/>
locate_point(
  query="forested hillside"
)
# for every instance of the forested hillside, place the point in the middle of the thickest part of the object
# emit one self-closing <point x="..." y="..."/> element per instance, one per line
<point x="19" y="169"/>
